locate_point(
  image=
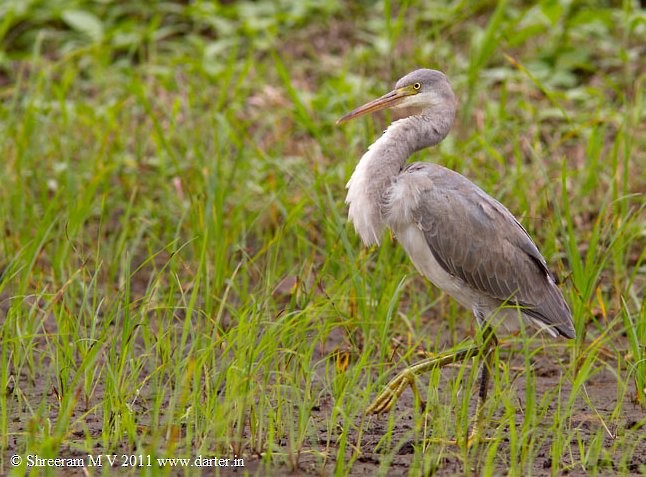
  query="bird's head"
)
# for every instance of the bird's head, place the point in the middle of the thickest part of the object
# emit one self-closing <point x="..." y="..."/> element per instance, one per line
<point x="418" y="91"/>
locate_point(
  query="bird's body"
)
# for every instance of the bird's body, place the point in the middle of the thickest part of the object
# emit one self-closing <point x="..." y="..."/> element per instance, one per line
<point x="464" y="241"/>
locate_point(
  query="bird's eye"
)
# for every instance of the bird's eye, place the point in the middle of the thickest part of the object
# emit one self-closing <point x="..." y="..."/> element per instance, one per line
<point x="417" y="86"/>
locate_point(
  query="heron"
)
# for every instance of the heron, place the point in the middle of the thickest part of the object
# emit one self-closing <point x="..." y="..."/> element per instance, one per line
<point x="464" y="241"/>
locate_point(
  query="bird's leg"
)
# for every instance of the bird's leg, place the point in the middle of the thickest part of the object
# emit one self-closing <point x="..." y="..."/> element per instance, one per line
<point x="489" y="344"/>
<point x="408" y="377"/>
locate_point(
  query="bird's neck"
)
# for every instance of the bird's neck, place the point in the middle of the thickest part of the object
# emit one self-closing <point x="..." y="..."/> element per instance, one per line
<point x="382" y="163"/>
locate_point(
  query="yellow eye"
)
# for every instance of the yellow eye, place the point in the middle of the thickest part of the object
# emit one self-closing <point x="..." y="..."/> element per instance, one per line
<point x="417" y="86"/>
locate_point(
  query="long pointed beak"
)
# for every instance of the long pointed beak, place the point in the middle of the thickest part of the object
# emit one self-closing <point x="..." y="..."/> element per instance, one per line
<point x="388" y="100"/>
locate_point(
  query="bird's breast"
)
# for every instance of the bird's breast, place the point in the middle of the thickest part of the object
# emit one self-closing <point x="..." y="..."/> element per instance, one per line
<point x="403" y="196"/>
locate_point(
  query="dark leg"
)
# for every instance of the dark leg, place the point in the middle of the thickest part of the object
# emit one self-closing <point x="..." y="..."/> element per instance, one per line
<point x="489" y="344"/>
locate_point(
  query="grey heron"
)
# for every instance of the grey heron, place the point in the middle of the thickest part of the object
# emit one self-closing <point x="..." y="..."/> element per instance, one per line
<point x="464" y="241"/>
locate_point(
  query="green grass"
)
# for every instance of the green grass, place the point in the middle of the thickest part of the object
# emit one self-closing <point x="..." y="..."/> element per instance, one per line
<point x="178" y="278"/>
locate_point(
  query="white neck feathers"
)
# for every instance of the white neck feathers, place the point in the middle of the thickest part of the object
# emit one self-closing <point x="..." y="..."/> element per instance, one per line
<point x="382" y="163"/>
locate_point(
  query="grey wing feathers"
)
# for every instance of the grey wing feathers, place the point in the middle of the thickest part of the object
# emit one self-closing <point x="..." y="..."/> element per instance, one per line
<point x="475" y="238"/>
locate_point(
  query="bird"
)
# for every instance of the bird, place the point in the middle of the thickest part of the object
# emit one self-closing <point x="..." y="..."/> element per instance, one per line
<point x="461" y="239"/>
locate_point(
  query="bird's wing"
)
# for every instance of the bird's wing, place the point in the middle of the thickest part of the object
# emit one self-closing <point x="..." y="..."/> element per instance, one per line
<point x="475" y="238"/>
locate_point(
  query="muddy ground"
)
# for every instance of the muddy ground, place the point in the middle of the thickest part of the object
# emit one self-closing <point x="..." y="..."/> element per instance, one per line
<point x="602" y="389"/>
<point x="603" y="394"/>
